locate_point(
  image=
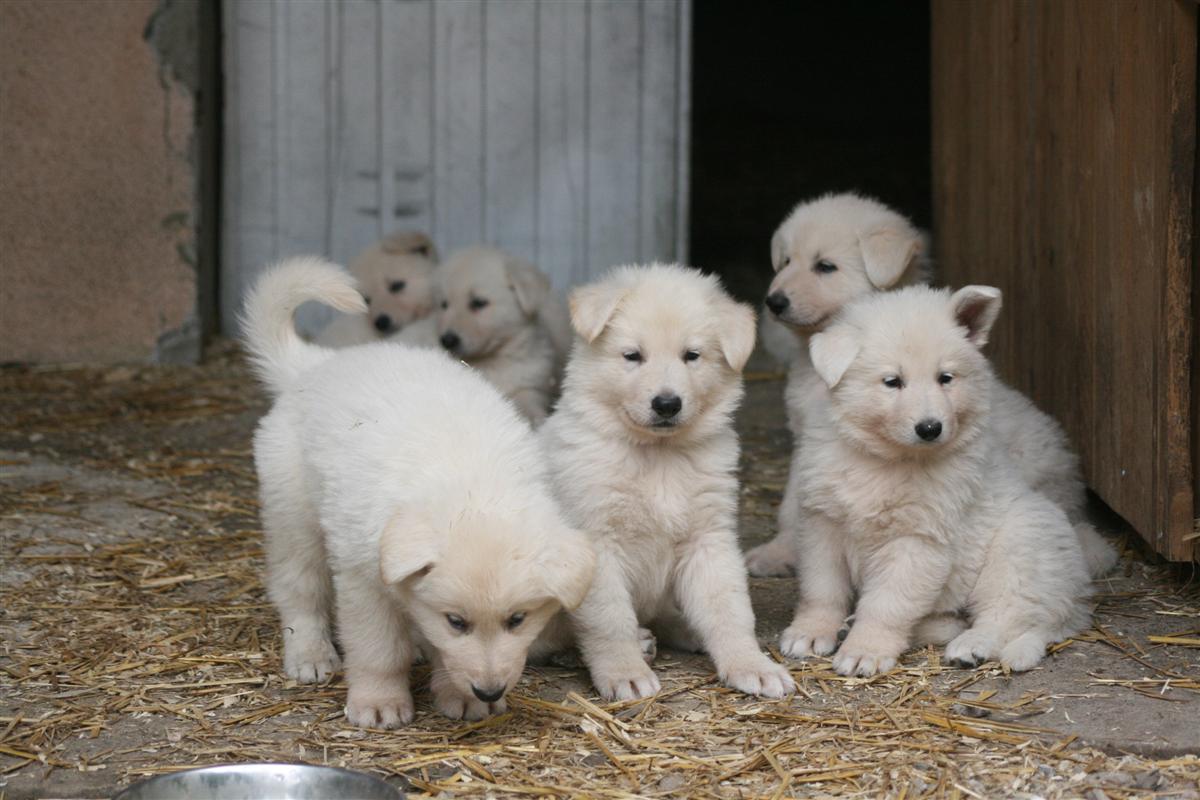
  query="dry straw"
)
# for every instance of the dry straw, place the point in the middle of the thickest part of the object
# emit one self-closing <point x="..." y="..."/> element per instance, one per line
<point x="141" y="642"/>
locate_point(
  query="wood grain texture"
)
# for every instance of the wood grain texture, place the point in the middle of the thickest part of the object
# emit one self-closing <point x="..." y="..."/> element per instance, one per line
<point x="556" y="129"/>
<point x="1064" y="140"/>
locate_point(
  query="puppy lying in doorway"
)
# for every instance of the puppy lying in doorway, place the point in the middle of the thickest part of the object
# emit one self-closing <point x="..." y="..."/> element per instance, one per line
<point x="395" y="276"/>
<point x="498" y="314"/>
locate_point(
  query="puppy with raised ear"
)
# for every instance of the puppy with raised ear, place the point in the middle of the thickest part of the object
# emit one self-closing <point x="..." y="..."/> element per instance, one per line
<point x="498" y="314"/>
<point x="643" y="457"/>
<point x="909" y="501"/>
<point x="395" y="275"/>
<point x="398" y="486"/>
<point x="840" y="247"/>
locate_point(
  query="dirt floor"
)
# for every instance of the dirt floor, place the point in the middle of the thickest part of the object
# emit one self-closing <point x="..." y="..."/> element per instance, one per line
<point x="136" y="639"/>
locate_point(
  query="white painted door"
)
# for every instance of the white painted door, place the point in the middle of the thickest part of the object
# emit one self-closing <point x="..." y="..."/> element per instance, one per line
<point x="555" y="129"/>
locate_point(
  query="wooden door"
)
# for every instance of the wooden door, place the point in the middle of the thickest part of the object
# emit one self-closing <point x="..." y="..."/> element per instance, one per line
<point x="1064" y="137"/>
<point x="555" y="129"/>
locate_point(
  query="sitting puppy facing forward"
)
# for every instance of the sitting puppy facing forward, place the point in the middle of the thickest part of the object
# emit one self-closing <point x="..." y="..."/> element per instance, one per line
<point x="395" y="276"/>
<point x="498" y="314"/>
<point x="909" y="501"/>
<point x="839" y="247"/>
<point x="643" y="457"/>
<point x="399" y="485"/>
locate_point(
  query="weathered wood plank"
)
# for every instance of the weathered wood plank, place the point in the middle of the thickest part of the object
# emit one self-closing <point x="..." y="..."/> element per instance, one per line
<point x="1064" y="145"/>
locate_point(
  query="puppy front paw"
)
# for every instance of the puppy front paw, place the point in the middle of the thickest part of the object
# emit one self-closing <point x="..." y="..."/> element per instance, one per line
<point x="812" y="632"/>
<point x="758" y="675"/>
<point x="625" y="681"/>
<point x="864" y="654"/>
<point x="971" y="648"/>
<point x="774" y="559"/>
<point x="457" y="705"/>
<point x="379" y="704"/>
<point x="310" y="660"/>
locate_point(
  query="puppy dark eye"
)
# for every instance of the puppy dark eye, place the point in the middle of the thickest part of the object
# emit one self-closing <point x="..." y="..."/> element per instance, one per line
<point x="893" y="382"/>
<point x="825" y="267"/>
<point x="632" y="355"/>
<point x="477" y="303"/>
<point x="945" y="378"/>
<point x="691" y="355"/>
<point x="457" y="622"/>
<point x="396" y="287"/>
<point x="786" y="260"/>
<point x="367" y="299"/>
<point x="445" y="304"/>
<point x="515" y="620"/>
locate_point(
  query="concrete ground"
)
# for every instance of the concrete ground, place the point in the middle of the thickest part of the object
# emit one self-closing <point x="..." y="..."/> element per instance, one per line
<point x="136" y="639"/>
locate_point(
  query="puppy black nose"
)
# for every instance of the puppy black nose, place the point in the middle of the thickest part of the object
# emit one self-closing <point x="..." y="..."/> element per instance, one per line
<point x="383" y="323"/>
<point x="450" y="340"/>
<point x="488" y="695"/>
<point x="929" y="429"/>
<point x="777" y="302"/>
<point x="666" y="405"/>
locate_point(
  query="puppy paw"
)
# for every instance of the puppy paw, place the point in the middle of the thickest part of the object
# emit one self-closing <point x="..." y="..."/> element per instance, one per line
<point x="648" y="645"/>
<point x="970" y="648"/>
<point x="312" y="660"/>
<point x="456" y="705"/>
<point x="771" y="560"/>
<point x="383" y="704"/>
<point x="1024" y="652"/>
<point x="758" y="675"/>
<point x="863" y="654"/>
<point x="631" y="681"/>
<point x="811" y="633"/>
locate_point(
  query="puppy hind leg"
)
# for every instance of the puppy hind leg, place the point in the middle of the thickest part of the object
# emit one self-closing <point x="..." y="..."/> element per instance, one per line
<point x="298" y="579"/>
<point x="673" y="631"/>
<point x="1098" y="553"/>
<point x="938" y="629"/>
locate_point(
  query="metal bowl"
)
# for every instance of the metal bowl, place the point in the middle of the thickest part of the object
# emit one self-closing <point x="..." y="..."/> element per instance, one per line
<point x="262" y="782"/>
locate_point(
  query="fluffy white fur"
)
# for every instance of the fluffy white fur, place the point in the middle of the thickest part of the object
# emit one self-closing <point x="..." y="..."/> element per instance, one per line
<point x="398" y="485"/>
<point x="910" y="501"/>
<point x="872" y="249"/>
<point x="499" y="315"/>
<point x="657" y="490"/>
<point x="395" y="277"/>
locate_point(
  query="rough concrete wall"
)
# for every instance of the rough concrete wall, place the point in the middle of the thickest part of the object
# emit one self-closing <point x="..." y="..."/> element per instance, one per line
<point x="97" y="189"/>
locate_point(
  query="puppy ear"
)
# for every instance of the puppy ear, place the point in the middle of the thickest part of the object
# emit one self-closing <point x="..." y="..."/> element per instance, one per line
<point x="888" y="251"/>
<point x="976" y="309"/>
<point x="736" y="333"/>
<point x="408" y="548"/>
<point x="832" y="352"/>
<point x="528" y="283"/>
<point x="778" y="250"/>
<point x="409" y="242"/>
<point x="592" y="307"/>
<point x="568" y="568"/>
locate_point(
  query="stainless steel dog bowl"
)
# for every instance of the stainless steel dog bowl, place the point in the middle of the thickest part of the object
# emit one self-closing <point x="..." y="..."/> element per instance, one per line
<point x="262" y="782"/>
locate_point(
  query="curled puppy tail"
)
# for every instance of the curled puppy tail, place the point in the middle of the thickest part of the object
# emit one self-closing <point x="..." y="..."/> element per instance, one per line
<point x="277" y="352"/>
<point x="1099" y="555"/>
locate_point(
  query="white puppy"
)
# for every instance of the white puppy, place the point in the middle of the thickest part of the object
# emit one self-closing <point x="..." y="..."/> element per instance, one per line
<point x="395" y="277"/>
<point x="400" y="483"/>
<point x="643" y="456"/>
<point x="909" y="501"/>
<point x="499" y="315"/>
<point x="839" y="247"/>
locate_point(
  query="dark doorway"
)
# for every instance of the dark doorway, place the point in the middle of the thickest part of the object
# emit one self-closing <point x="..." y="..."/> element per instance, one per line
<point x="791" y="100"/>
